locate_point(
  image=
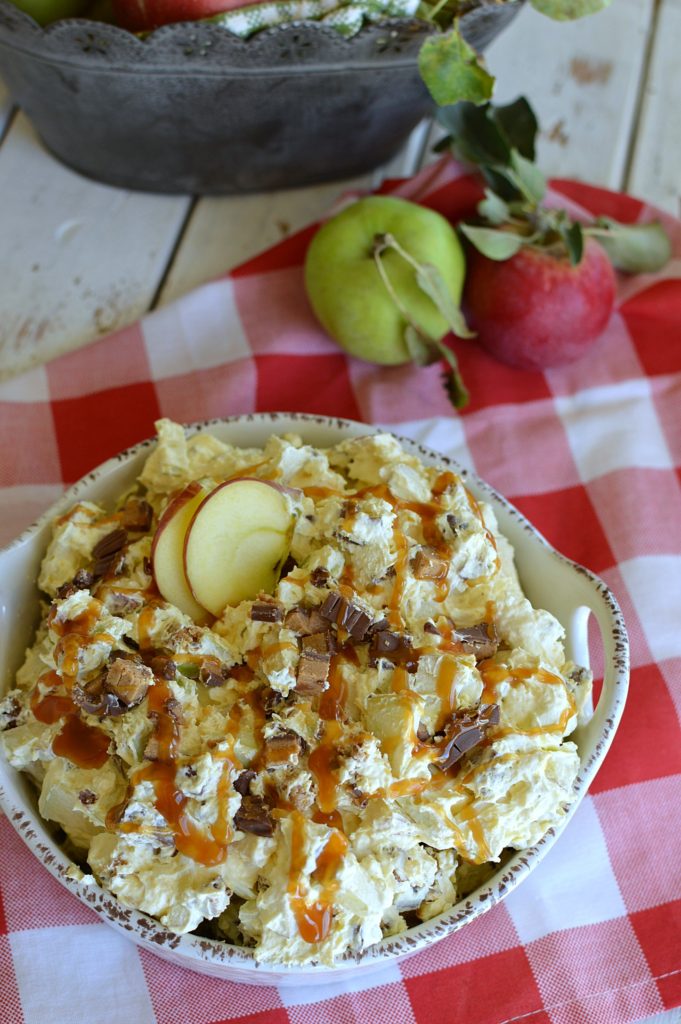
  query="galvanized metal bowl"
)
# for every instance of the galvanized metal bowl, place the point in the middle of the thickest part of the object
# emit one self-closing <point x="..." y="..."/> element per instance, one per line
<point x="194" y="108"/>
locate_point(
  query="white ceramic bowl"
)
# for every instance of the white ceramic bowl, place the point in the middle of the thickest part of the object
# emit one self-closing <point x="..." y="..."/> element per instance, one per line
<point x="551" y="581"/>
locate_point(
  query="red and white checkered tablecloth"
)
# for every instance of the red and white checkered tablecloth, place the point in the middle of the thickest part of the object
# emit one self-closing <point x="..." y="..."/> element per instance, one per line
<point x="591" y="453"/>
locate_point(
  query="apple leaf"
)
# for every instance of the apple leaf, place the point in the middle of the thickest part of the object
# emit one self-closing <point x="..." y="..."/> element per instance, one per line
<point x="493" y="208"/>
<point x="518" y="123"/>
<point x="634" y="248"/>
<point x="569" y="10"/>
<point x="473" y="135"/>
<point x="500" y="141"/>
<point x="494" y="244"/>
<point x="527" y="177"/>
<point x="456" y="389"/>
<point x="430" y="281"/>
<point x="421" y="349"/>
<point x="452" y="71"/>
<point x="425" y="351"/>
<point x="573" y="236"/>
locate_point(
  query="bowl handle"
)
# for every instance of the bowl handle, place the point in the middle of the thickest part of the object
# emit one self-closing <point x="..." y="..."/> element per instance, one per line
<point x="596" y="726"/>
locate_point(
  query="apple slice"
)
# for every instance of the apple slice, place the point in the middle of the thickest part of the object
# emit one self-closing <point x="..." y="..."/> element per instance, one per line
<point x="237" y="542"/>
<point x="167" y="563"/>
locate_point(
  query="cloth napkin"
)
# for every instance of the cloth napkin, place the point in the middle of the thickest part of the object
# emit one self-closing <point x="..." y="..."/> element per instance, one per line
<point x="344" y="15"/>
<point x="591" y="453"/>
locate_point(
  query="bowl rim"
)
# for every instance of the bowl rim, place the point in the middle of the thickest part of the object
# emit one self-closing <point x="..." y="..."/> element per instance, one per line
<point x="208" y="48"/>
<point x="218" y="957"/>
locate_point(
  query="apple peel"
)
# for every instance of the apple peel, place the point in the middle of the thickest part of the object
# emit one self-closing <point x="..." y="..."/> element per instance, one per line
<point x="236" y="542"/>
<point x="167" y="552"/>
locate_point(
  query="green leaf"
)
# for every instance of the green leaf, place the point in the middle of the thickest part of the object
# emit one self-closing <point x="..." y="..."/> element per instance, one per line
<point x="493" y="209"/>
<point x="431" y="281"/>
<point x="500" y="182"/>
<point x="569" y="10"/>
<point x="573" y="236"/>
<point x="634" y="248"/>
<point x="518" y="124"/>
<point x="456" y="389"/>
<point x="420" y="347"/>
<point x="452" y="70"/>
<point x="495" y="245"/>
<point x="473" y="135"/>
<point x="528" y="178"/>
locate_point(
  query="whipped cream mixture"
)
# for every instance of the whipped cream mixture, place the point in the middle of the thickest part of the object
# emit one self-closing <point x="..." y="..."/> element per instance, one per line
<point x="321" y="766"/>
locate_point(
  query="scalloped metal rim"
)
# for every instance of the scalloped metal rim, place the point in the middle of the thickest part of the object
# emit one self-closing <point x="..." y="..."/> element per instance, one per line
<point x="197" y="44"/>
<point x="196" y="952"/>
<point x="211" y="41"/>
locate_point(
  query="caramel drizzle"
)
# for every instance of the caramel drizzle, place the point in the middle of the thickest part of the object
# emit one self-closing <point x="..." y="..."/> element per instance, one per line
<point x="92" y="514"/>
<point x="322" y="761"/>
<point x="333" y="699"/>
<point x="278" y="647"/>
<point x="84" y="745"/>
<point x="394" y="614"/>
<point x="493" y="675"/>
<point x="428" y="513"/>
<point x="314" y="920"/>
<point x="323" y="764"/>
<point x="50" y="707"/>
<point x="208" y="849"/>
<point x="477" y="511"/>
<point x="446" y="690"/>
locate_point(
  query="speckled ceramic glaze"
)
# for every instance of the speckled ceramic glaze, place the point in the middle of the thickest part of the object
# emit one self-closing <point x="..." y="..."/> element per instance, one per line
<point x="551" y="581"/>
<point x="194" y="108"/>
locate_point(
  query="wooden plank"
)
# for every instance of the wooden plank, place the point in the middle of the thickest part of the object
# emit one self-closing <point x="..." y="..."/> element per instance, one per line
<point x="223" y="232"/>
<point x="77" y="259"/>
<point x="583" y="80"/>
<point x="654" y="173"/>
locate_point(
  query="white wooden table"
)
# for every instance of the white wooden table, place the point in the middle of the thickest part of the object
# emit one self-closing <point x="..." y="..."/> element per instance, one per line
<point x="78" y="259"/>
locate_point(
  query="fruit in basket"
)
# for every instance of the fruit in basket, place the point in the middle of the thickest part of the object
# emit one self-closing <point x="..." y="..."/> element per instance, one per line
<point x="144" y="15"/>
<point x="46" y="11"/>
<point x="537" y="310"/>
<point x="384" y="278"/>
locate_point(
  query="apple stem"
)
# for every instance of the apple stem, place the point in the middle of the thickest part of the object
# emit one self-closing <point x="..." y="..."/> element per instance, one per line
<point x="381" y="243"/>
<point x="422" y="348"/>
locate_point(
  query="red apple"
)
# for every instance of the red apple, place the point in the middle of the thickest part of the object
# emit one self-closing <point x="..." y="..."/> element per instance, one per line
<point x="144" y="15"/>
<point x="535" y="310"/>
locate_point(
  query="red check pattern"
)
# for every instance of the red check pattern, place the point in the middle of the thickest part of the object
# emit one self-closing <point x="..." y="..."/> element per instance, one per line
<point x="590" y="452"/>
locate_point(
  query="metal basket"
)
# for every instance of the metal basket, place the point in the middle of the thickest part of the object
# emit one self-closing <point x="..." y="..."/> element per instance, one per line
<point x="194" y="108"/>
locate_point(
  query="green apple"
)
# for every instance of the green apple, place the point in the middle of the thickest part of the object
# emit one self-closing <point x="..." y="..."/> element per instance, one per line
<point x="368" y="293"/>
<point x="45" y="11"/>
<point x="236" y="542"/>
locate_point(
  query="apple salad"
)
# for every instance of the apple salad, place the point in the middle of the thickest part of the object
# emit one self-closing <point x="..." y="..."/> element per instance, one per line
<point x="294" y="698"/>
